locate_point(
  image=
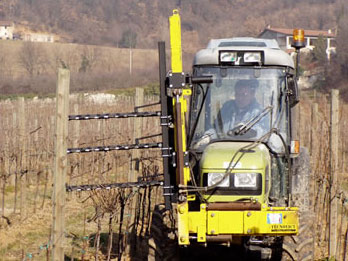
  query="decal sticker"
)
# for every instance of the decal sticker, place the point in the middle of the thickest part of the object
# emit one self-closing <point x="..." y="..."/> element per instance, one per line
<point x="275" y="218"/>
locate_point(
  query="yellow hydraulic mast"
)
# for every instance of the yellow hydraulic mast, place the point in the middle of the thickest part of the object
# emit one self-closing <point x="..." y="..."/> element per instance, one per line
<point x="180" y="107"/>
<point x="175" y="42"/>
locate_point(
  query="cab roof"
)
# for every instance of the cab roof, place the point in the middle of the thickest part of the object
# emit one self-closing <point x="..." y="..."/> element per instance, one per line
<point x="273" y="55"/>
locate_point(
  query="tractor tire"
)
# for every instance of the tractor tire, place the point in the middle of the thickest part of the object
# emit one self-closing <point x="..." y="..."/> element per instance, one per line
<point x="301" y="247"/>
<point x="162" y="241"/>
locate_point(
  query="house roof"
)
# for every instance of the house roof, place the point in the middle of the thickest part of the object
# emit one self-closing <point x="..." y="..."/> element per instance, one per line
<point x="286" y="31"/>
<point x="6" y="23"/>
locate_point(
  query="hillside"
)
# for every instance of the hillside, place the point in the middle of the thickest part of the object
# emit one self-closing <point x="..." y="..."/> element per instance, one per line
<point x="31" y="67"/>
<point x="142" y="23"/>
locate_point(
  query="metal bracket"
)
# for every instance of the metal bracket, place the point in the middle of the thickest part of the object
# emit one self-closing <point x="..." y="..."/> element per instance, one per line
<point x="166" y="152"/>
<point x="186" y="159"/>
<point x="166" y="121"/>
<point x="177" y="80"/>
<point x="166" y="192"/>
<point x="173" y="159"/>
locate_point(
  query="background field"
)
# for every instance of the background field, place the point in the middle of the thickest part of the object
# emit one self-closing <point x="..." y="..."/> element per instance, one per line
<point x="26" y="155"/>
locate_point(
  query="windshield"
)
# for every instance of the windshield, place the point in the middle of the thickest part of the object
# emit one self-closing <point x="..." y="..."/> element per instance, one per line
<point x="240" y="104"/>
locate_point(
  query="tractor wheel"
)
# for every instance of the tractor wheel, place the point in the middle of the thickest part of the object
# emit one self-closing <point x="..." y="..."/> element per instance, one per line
<point x="162" y="241"/>
<point x="301" y="247"/>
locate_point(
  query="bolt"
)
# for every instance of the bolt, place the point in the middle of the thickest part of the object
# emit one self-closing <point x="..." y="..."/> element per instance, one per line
<point x="182" y="239"/>
<point x="201" y="238"/>
<point x="284" y="216"/>
<point x="249" y="231"/>
<point x="212" y="215"/>
<point x="212" y="232"/>
<point x="203" y="207"/>
<point x="249" y="214"/>
<point x="182" y="198"/>
<point x="181" y="209"/>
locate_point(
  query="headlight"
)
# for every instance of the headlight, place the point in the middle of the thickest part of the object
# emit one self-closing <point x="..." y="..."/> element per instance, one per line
<point x="228" y="57"/>
<point x="214" y="178"/>
<point x="252" y="57"/>
<point x="245" y="180"/>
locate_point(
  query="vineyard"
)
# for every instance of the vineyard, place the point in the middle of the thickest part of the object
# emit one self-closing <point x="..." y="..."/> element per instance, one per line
<point x="105" y="220"/>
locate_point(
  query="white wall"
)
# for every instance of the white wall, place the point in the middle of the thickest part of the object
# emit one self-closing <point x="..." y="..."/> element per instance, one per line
<point x="6" y="32"/>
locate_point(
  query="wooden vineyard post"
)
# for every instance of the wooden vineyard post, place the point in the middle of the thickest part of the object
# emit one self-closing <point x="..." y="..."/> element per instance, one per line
<point x="136" y="163"/>
<point x="333" y="172"/>
<point x="22" y="175"/>
<point x="12" y="180"/>
<point x="60" y="164"/>
<point x="137" y="132"/>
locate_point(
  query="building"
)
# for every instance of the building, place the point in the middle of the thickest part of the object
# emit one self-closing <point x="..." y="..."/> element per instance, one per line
<point x="6" y="30"/>
<point x="284" y="38"/>
<point x="38" y="37"/>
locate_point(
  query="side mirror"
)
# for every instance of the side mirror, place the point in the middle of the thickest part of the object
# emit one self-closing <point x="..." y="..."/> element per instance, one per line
<point x="293" y="92"/>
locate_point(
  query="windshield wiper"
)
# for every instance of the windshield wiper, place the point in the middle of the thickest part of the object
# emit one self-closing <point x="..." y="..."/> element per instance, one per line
<point x="245" y="127"/>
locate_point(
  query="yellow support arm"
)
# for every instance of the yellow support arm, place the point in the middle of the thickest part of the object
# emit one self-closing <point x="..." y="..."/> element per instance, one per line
<point x="175" y="41"/>
<point x="180" y="107"/>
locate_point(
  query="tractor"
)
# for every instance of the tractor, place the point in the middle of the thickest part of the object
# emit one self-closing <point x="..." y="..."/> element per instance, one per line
<point x="233" y="173"/>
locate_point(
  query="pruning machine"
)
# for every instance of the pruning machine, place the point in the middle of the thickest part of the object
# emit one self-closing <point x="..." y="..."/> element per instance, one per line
<point x="229" y="185"/>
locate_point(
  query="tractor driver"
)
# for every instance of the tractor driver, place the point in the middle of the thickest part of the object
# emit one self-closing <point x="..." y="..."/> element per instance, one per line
<point x="238" y="111"/>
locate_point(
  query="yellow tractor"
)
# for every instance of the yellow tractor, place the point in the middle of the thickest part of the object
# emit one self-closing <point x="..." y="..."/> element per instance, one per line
<point x="233" y="175"/>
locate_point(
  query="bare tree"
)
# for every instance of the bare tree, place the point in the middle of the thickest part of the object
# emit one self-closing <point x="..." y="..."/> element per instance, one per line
<point x="32" y="58"/>
<point x="89" y="58"/>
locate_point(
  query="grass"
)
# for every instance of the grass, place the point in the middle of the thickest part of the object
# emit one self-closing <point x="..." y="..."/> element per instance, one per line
<point x="9" y="189"/>
<point x="344" y="185"/>
<point x="10" y="247"/>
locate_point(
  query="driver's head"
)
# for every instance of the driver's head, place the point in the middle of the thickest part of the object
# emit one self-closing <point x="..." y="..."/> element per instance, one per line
<point x="245" y="92"/>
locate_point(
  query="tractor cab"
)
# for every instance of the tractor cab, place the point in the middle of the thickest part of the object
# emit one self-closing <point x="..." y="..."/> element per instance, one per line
<point x="248" y="99"/>
<point x="247" y="107"/>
